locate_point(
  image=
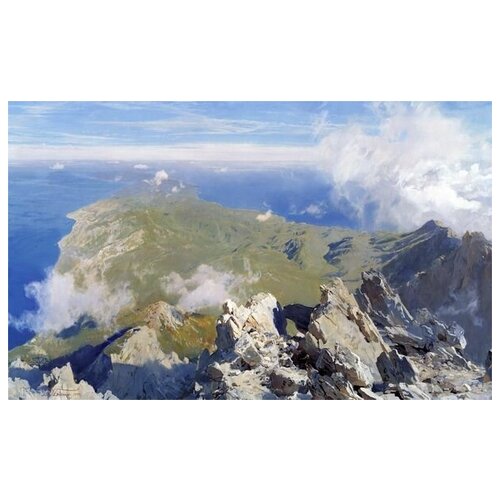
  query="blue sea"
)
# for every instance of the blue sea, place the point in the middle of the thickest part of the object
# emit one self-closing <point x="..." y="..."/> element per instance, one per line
<point x="40" y="198"/>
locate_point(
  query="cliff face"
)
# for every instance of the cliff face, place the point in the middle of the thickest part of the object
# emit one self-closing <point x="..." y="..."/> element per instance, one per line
<point x="457" y="285"/>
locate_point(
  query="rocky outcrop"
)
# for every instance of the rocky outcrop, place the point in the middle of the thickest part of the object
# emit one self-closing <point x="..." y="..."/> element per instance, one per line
<point x="141" y="370"/>
<point x="456" y="285"/>
<point x="395" y="368"/>
<point x="59" y="383"/>
<point x="257" y="359"/>
<point x="339" y="320"/>
<point x="417" y="334"/>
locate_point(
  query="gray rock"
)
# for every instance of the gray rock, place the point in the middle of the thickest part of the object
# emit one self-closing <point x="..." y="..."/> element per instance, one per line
<point x="335" y="386"/>
<point x="287" y="381"/>
<point x="344" y="361"/>
<point x="245" y="348"/>
<point x="367" y="394"/>
<point x="406" y="391"/>
<point x="395" y="368"/>
<point x="338" y="320"/>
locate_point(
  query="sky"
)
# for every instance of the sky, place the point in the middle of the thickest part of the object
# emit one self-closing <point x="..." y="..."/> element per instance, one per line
<point x="394" y="164"/>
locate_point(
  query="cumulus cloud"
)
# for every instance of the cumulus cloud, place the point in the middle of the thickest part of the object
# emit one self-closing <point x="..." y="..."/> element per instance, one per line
<point x="265" y="216"/>
<point x="57" y="166"/>
<point x="61" y="304"/>
<point x="159" y="177"/>
<point x="316" y="210"/>
<point x="417" y="164"/>
<point x="141" y="166"/>
<point x="207" y="287"/>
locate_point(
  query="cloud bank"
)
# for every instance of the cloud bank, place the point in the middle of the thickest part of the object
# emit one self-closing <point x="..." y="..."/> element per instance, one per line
<point x="61" y="304"/>
<point x="57" y="166"/>
<point x="207" y="287"/>
<point x="418" y="164"/>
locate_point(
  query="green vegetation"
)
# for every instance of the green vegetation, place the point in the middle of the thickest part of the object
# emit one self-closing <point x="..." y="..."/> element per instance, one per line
<point x="136" y="241"/>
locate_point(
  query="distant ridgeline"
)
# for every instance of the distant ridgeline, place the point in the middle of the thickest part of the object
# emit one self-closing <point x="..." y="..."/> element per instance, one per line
<point x="137" y="250"/>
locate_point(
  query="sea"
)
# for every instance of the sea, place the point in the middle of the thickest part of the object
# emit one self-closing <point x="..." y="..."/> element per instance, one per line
<point x="41" y="196"/>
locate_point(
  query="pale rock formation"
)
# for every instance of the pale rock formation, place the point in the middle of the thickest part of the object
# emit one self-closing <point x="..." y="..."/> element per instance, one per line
<point x="338" y="320"/>
<point x="141" y="370"/>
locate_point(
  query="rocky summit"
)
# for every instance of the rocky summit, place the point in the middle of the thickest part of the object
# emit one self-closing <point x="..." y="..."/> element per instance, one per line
<point x="362" y="346"/>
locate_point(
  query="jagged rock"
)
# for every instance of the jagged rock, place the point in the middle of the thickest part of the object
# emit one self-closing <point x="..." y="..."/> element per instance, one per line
<point x="380" y="302"/>
<point x="286" y="381"/>
<point x="367" y="394"/>
<point x="61" y="384"/>
<point x="334" y="321"/>
<point x="245" y="348"/>
<point x="349" y="364"/>
<point x="406" y="391"/>
<point x="325" y="363"/>
<point x="384" y="306"/>
<point x="141" y="370"/>
<point x="344" y="361"/>
<point x="20" y="389"/>
<point x="395" y="368"/>
<point x="416" y="335"/>
<point x="334" y="386"/>
<point x="456" y="284"/>
<point x="253" y="354"/>
<point x="228" y="331"/>
<point x="308" y="346"/>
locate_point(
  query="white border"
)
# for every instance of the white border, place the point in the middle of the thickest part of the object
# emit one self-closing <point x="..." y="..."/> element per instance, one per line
<point x="235" y="50"/>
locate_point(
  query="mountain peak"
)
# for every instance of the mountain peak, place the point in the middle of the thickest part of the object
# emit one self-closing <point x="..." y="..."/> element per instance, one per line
<point x="433" y="224"/>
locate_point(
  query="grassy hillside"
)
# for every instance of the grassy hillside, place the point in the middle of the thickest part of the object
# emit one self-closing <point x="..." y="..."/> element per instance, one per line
<point x="138" y="240"/>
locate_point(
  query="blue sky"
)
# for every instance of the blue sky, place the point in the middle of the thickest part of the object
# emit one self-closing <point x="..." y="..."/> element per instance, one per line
<point x="88" y="124"/>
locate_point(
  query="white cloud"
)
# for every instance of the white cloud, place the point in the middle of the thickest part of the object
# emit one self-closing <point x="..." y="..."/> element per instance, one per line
<point x="159" y="177"/>
<point x="141" y="166"/>
<point x="207" y="287"/>
<point x="418" y="165"/>
<point x="57" y="166"/>
<point x="265" y="216"/>
<point x="315" y="210"/>
<point x="61" y="303"/>
<point x="202" y="152"/>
